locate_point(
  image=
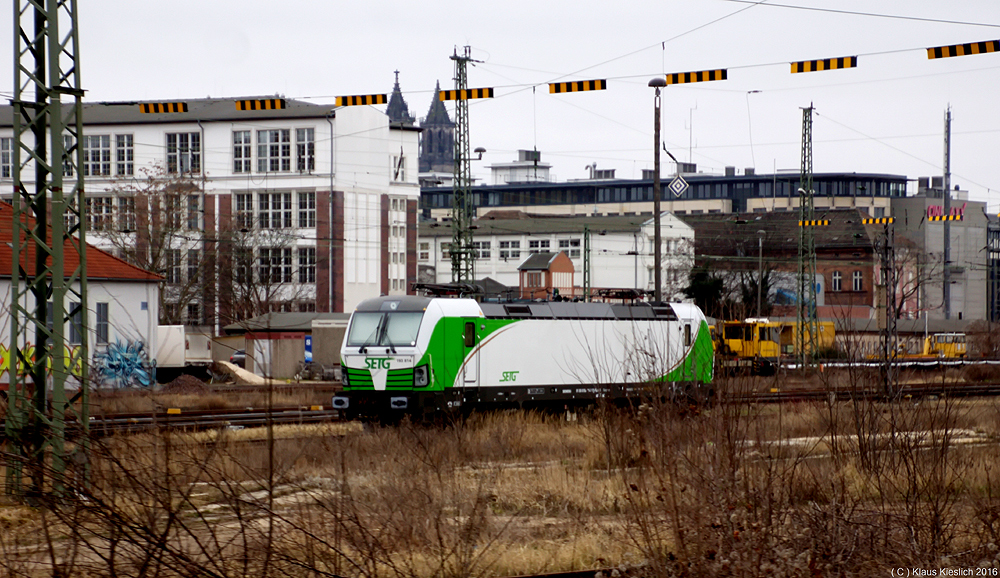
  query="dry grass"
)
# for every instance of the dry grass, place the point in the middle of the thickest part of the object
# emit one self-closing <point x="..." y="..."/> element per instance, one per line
<point x="726" y="490"/>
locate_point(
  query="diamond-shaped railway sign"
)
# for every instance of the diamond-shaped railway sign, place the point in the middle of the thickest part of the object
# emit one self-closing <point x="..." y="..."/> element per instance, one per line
<point x="678" y="186"/>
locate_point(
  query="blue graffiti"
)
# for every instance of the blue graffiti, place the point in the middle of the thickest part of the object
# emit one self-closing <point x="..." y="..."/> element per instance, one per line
<point x="124" y="365"/>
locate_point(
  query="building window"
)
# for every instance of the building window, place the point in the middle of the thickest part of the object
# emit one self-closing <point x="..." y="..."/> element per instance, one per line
<point x="97" y="155"/>
<point x="305" y="150"/>
<point x="307" y="264"/>
<point x="538" y="246"/>
<point x="571" y="246"/>
<point x="445" y="250"/>
<point x="856" y="281"/>
<point x="533" y="279"/>
<point x="482" y="249"/>
<point x="124" y="155"/>
<point x="173" y="212"/>
<point x="425" y="251"/>
<point x="173" y="263"/>
<point x="398" y="170"/>
<point x="275" y="210"/>
<point x="243" y="258"/>
<point x="76" y="323"/>
<point x="100" y="211"/>
<point x="126" y="214"/>
<point x="183" y="152"/>
<point x="193" y="213"/>
<point x="307" y="210"/>
<point x="6" y="158"/>
<point x="836" y="281"/>
<point x="102" y="322"/>
<point x="193" y="266"/>
<point x="510" y="249"/>
<point x="193" y="313"/>
<point x="275" y="265"/>
<point x="68" y="155"/>
<point x="274" y="151"/>
<point x="242" y="153"/>
<point x="244" y="211"/>
<point x="307" y="306"/>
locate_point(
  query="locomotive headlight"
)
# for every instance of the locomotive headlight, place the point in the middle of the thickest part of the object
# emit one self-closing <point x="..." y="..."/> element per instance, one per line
<point x="344" y="380"/>
<point x="421" y="376"/>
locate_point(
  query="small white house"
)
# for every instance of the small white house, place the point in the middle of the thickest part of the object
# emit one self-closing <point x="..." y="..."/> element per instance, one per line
<point x="121" y="316"/>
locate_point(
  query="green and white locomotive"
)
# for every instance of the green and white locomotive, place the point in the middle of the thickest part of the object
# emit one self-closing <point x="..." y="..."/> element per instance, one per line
<point x="420" y="355"/>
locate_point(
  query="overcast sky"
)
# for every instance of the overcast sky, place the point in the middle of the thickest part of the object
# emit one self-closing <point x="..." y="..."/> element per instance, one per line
<point x="886" y="116"/>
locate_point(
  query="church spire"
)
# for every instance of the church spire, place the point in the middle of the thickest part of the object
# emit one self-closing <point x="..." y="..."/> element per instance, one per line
<point x="397" y="110"/>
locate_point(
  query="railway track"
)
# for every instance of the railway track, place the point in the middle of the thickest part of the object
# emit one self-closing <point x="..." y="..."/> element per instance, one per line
<point x="178" y="418"/>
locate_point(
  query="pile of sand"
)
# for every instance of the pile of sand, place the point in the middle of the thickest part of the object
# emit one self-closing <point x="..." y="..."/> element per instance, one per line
<point x="185" y="384"/>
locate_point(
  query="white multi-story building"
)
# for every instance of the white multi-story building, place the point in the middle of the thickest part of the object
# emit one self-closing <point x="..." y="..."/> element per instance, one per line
<point x="251" y="205"/>
<point x="621" y="249"/>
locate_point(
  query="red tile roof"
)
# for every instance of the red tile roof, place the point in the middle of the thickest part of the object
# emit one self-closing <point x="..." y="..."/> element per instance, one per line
<point x="100" y="264"/>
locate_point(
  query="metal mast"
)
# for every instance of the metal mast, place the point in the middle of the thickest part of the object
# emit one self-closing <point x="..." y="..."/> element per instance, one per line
<point x="49" y="280"/>
<point x="806" y="311"/>
<point x="463" y="258"/>
<point x="946" y="290"/>
<point x="885" y="244"/>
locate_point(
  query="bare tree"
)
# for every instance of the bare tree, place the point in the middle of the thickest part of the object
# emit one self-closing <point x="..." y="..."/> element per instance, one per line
<point x="156" y="221"/>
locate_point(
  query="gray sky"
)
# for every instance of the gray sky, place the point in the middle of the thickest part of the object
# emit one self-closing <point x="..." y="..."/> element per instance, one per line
<point x="885" y="116"/>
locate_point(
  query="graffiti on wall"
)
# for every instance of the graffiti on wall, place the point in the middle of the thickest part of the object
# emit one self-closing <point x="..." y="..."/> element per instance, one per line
<point x="29" y="354"/>
<point x="121" y="365"/>
<point x="124" y="365"/>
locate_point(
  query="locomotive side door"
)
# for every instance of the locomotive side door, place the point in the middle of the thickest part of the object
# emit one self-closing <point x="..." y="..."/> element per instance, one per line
<point x="470" y="339"/>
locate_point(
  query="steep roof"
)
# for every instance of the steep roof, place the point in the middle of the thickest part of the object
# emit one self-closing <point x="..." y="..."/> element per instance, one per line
<point x="505" y="222"/>
<point x="437" y="114"/>
<point x="100" y="264"/>
<point x="203" y="109"/>
<point x="733" y="234"/>
<point x="537" y="262"/>
<point x="397" y="109"/>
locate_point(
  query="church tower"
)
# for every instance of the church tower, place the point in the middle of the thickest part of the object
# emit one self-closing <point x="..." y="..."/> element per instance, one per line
<point x="398" y="112"/>
<point x="437" y="139"/>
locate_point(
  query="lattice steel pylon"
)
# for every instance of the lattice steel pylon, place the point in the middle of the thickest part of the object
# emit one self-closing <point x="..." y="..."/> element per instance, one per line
<point x="806" y="325"/>
<point x="463" y="258"/>
<point x="48" y="253"/>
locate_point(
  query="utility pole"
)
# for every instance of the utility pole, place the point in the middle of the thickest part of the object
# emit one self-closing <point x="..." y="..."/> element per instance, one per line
<point x="885" y="244"/>
<point x="806" y="311"/>
<point x="463" y="258"/>
<point x="946" y="290"/>
<point x="48" y="251"/>
<point x="586" y="263"/>
<point x="657" y="83"/>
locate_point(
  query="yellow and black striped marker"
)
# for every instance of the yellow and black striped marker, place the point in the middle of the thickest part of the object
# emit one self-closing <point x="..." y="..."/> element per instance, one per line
<point x="157" y="107"/>
<point x="826" y="64"/>
<point x="578" y="86"/>
<point x="263" y="104"/>
<point x="815" y="223"/>
<point x="945" y="218"/>
<point x="362" y="100"/>
<point x="963" y="49"/>
<point x="877" y="221"/>
<point x="700" y="76"/>
<point x="467" y="94"/>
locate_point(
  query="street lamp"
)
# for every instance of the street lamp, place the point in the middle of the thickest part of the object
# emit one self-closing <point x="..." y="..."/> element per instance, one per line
<point x="760" y="268"/>
<point x="657" y="83"/>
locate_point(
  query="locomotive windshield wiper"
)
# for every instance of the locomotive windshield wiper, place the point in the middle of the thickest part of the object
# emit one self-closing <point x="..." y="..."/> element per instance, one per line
<point x="373" y="338"/>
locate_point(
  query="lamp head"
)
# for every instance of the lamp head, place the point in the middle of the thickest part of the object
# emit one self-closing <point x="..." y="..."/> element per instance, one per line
<point x="657" y="82"/>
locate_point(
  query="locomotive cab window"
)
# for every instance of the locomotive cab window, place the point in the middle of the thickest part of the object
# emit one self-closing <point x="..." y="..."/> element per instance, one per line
<point x="470" y="334"/>
<point x="377" y="328"/>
